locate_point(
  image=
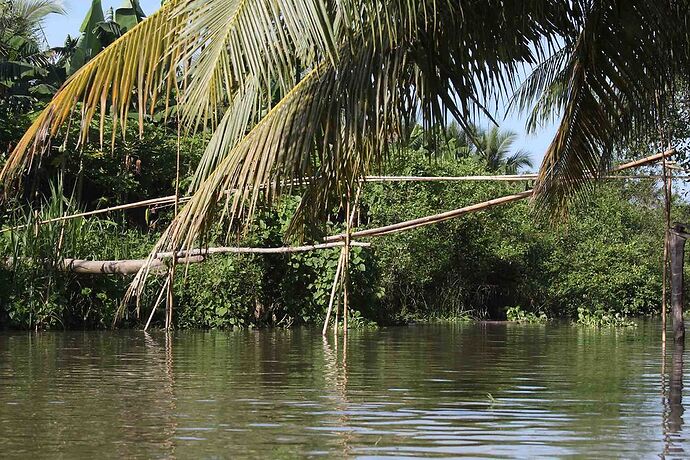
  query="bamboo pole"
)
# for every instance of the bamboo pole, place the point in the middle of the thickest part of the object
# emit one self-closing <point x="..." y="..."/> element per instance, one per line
<point x="442" y="217"/>
<point x="346" y="265"/>
<point x="170" y="298"/>
<point x="130" y="267"/>
<point x="667" y="229"/>
<point x="123" y="207"/>
<point x="333" y="292"/>
<point x="155" y="305"/>
<point x="429" y="220"/>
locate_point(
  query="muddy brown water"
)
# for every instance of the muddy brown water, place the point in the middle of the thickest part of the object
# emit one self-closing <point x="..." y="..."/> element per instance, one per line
<point x="443" y="391"/>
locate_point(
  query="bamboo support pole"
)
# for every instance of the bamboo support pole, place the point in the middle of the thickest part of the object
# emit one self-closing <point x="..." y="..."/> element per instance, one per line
<point x="155" y="305"/>
<point x="333" y="292"/>
<point x="170" y="298"/>
<point x="667" y="229"/>
<point x="346" y="266"/>
<point x="130" y="267"/>
<point x="442" y="217"/>
<point x="429" y="220"/>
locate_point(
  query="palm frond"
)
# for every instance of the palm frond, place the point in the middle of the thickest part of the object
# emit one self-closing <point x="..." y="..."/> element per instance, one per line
<point x="625" y="60"/>
<point x="265" y="39"/>
<point x="241" y="113"/>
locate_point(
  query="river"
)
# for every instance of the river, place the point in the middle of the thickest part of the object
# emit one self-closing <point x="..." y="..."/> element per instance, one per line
<point x="477" y="390"/>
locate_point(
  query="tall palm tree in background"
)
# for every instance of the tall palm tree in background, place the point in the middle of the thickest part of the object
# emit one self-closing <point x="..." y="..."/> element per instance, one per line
<point x="494" y="149"/>
<point x="315" y="88"/>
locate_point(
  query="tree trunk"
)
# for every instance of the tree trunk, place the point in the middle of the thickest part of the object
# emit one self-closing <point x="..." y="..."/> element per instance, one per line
<point x="677" y="250"/>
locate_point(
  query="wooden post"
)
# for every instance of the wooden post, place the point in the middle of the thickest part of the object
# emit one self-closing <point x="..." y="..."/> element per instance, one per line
<point x="677" y="252"/>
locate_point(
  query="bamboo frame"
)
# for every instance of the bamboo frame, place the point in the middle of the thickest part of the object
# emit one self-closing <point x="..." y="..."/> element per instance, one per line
<point x="442" y="217"/>
<point x="343" y="240"/>
<point x="171" y="200"/>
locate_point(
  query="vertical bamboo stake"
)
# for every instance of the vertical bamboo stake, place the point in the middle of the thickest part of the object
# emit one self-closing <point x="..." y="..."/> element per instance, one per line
<point x="333" y="292"/>
<point x="667" y="228"/>
<point x="171" y="280"/>
<point x="667" y="223"/>
<point x="155" y="305"/>
<point x="346" y="265"/>
<point x="337" y="317"/>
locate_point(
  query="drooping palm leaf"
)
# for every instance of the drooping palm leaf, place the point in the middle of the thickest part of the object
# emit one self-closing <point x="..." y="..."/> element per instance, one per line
<point x="263" y="39"/>
<point x="625" y="61"/>
<point x="336" y="123"/>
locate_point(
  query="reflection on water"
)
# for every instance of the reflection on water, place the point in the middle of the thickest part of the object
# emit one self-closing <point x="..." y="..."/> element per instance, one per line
<point x="442" y="391"/>
<point x="673" y="406"/>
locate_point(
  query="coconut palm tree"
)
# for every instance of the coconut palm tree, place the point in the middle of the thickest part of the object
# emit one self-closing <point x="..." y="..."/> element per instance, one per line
<point x="315" y="88"/>
<point x="494" y="149"/>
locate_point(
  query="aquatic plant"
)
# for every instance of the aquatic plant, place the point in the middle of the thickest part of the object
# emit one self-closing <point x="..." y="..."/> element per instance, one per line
<point x="518" y="315"/>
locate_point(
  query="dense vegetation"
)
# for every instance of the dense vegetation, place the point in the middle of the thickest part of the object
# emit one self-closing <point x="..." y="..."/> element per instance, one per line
<point x="601" y="266"/>
<point x="605" y="261"/>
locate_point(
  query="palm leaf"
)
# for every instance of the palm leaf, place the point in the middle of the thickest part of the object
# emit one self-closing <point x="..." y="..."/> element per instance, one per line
<point x="264" y="39"/>
<point x="625" y="62"/>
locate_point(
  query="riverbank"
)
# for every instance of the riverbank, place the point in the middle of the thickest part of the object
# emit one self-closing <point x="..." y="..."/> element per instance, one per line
<point x="601" y="266"/>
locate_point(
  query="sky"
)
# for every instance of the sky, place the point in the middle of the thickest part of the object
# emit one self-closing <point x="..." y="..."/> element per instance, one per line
<point x="58" y="27"/>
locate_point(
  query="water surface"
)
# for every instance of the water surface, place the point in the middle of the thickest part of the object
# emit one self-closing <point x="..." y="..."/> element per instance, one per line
<point x="484" y="390"/>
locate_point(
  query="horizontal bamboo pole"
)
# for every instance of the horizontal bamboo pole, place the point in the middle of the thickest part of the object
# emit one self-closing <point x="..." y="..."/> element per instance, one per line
<point x="122" y="207"/>
<point x="506" y="178"/>
<point x="435" y="219"/>
<point x="168" y="200"/>
<point x="130" y="267"/>
<point x="438" y="218"/>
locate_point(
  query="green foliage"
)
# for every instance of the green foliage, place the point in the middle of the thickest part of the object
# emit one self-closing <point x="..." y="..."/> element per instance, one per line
<point x="474" y="265"/>
<point x="36" y="294"/>
<point x="517" y="314"/>
<point x="608" y="257"/>
<point x="602" y="318"/>
<point x="223" y="293"/>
